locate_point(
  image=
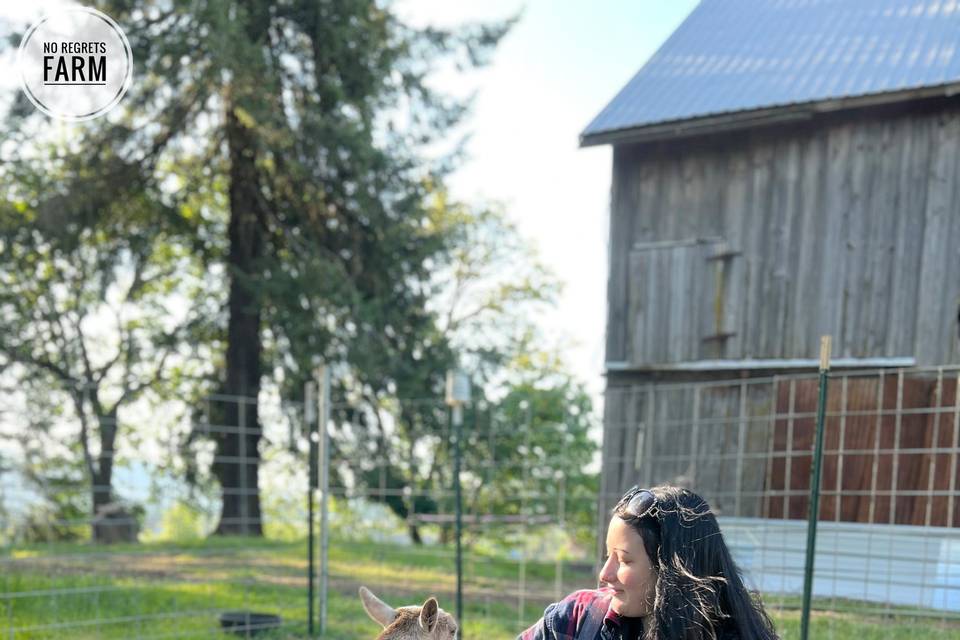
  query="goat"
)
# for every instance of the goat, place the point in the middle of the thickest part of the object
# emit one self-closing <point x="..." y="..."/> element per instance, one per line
<point x="425" y="622"/>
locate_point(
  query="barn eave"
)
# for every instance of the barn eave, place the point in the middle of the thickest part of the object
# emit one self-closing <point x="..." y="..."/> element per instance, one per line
<point x="782" y="364"/>
<point x="755" y="118"/>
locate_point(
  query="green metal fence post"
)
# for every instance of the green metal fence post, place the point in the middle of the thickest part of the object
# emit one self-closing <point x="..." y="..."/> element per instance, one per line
<point x="458" y="394"/>
<point x="815" y="489"/>
<point x="310" y="415"/>
<point x="323" y="463"/>
<point x="458" y="452"/>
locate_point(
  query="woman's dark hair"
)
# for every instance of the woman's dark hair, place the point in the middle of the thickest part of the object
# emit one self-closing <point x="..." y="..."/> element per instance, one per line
<point x="700" y="594"/>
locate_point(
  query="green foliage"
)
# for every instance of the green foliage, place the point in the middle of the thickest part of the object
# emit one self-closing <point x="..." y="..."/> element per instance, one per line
<point x="394" y="441"/>
<point x="294" y="135"/>
<point x="270" y="171"/>
<point x="285" y="516"/>
<point x="181" y="522"/>
<point x="544" y="450"/>
<point x="86" y="282"/>
<point x="526" y="457"/>
<point x="61" y="521"/>
<point x="489" y="290"/>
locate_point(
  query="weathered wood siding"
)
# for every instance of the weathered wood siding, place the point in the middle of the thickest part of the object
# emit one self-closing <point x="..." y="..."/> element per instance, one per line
<point x="848" y="227"/>
<point x="711" y="439"/>
<point x="890" y="445"/>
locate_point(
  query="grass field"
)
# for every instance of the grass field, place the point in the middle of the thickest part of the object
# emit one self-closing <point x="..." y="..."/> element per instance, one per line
<point x="178" y="590"/>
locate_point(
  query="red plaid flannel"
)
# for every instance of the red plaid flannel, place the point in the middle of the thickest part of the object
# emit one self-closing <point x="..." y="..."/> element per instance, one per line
<point x="561" y="619"/>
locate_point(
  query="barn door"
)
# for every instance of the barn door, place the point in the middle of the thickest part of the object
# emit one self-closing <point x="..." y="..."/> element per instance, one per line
<point x="678" y="302"/>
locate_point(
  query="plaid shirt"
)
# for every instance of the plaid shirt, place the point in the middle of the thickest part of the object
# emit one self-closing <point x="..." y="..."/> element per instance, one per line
<point x="561" y="620"/>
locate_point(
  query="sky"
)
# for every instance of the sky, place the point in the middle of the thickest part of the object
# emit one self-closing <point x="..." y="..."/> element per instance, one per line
<point x="557" y="69"/>
<point x="559" y="66"/>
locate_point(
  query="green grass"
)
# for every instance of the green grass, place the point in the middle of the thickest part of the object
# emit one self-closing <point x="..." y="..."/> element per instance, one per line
<point x="80" y="591"/>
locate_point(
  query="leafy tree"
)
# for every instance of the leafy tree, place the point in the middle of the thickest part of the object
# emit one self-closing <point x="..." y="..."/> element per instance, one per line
<point x="525" y="454"/>
<point x="490" y="291"/>
<point x="396" y="445"/>
<point x="310" y="117"/>
<point x="84" y="316"/>
<point x="530" y="453"/>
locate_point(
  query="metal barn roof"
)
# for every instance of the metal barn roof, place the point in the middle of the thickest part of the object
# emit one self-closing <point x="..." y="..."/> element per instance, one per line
<point x="741" y="56"/>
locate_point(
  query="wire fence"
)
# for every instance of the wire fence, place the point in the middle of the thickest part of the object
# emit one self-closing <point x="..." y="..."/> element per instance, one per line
<point x="888" y="542"/>
<point x="114" y="537"/>
<point x="136" y="553"/>
<point x="206" y="520"/>
<point x="529" y="483"/>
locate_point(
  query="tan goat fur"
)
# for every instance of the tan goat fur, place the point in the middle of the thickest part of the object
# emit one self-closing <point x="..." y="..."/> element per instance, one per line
<point x="424" y="622"/>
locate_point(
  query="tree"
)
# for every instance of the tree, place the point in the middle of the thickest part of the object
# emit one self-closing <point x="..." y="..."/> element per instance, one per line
<point x="394" y="441"/>
<point x="84" y="314"/>
<point x="541" y="448"/>
<point x="490" y="291"/>
<point x="312" y="115"/>
<point x="302" y="126"/>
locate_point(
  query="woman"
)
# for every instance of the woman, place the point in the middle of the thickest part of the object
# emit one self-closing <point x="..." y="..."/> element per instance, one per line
<point x="668" y="576"/>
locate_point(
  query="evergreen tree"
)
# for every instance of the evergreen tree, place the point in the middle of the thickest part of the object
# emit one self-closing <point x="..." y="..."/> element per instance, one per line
<point x="305" y="123"/>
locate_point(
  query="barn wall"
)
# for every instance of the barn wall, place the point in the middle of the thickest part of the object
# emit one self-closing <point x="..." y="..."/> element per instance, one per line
<point x="891" y="443"/>
<point x="847" y="226"/>
<point x="712" y="438"/>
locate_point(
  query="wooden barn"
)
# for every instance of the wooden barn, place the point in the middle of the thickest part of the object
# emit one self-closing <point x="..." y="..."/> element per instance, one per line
<point x="784" y="169"/>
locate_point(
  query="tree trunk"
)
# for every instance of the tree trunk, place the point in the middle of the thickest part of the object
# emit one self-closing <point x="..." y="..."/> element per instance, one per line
<point x="414" y="532"/>
<point x="110" y="522"/>
<point x="101" y="476"/>
<point x="447" y="534"/>
<point x="101" y="497"/>
<point x="238" y="456"/>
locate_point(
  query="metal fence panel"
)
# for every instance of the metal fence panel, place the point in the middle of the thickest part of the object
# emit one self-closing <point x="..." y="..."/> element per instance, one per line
<point x="888" y="522"/>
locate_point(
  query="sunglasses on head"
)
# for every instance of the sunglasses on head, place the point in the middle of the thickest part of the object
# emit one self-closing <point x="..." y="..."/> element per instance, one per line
<point x="636" y="503"/>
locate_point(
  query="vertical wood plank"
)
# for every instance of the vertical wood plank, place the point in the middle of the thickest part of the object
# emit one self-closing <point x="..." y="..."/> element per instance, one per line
<point x="931" y="307"/>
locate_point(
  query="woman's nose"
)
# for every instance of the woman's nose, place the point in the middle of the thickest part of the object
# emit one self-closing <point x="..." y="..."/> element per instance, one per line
<point x="606" y="573"/>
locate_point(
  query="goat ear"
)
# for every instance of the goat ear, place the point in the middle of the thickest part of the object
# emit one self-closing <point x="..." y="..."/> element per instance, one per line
<point x="376" y="608"/>
<point x="429" y="614"/>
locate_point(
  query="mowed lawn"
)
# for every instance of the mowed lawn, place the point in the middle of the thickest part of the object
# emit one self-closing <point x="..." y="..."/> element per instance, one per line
<point x="178" y="590"/>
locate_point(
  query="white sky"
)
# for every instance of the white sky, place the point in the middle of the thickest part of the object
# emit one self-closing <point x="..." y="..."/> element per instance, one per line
<point x="555" y="71"/>
<point x="552" y="74"/>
